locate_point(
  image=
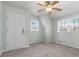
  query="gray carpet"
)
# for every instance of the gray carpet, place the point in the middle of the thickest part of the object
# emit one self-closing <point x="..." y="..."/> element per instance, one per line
<point x="44" y="50"/>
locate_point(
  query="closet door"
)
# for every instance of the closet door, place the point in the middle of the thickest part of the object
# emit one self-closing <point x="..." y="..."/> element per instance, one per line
<point x="15" y="30"/>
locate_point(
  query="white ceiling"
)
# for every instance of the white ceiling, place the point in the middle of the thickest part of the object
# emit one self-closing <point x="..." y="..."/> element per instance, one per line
<point x="68" y="7"/>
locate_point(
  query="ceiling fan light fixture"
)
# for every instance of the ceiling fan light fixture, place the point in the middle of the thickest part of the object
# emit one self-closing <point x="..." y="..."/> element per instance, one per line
<point x="49" y="6"/>
<point x="48" y="9"/>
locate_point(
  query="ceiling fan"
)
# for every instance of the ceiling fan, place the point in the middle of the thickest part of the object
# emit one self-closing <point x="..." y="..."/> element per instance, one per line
<point x="49" y="6"/>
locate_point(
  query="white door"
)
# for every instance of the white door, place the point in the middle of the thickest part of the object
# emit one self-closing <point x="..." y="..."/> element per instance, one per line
<point x="15" y="30"/>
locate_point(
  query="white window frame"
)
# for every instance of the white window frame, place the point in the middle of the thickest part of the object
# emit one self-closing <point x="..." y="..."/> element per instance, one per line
<point x="37" y="25"/>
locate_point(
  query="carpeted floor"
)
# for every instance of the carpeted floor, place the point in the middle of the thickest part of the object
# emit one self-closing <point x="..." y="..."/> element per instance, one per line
<point x="44" y="50"/>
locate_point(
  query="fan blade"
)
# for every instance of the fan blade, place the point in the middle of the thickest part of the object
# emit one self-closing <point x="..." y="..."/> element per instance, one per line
<point x="41" y="10"/>
<point x="40" y="4"/>
<point x="54" y="2"/>
<point x="45" y="3"/>
<point x="57" y="9"/>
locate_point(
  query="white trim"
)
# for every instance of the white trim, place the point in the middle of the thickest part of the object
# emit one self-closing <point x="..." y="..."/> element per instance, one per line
<point x="36" y="21"/>
<point x="32" y="42"/>
<point x="15" y="49"/>
<point x="67" y="44"/>
<point x="0" y="53"/>
<point x="27" y="46"/>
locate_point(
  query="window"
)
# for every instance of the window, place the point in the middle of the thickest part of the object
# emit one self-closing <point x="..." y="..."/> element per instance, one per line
<point x="34" y="25"/>
<point x="68" y="25"/>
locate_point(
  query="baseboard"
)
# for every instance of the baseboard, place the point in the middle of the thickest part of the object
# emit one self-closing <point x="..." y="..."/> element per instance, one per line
<point x="34" y="42"/>
<point x="27" y="46"/>
<point x="66" y="44"/>
<point x="15" y="49"/>
<point x="0" y="53"/>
